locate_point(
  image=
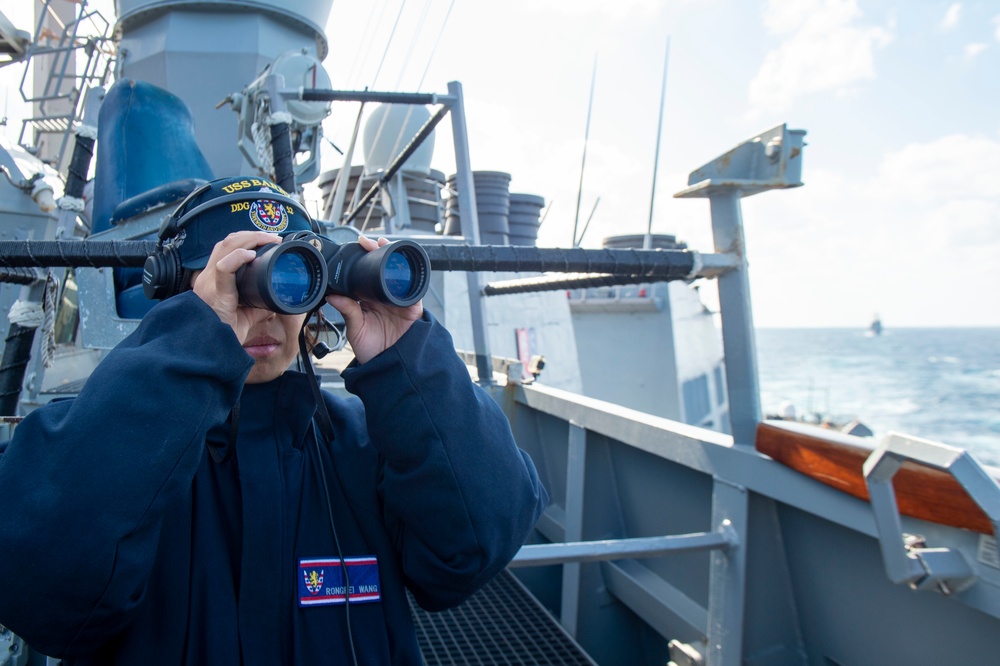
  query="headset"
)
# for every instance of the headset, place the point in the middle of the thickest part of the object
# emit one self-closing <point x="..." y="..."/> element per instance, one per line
<point x="163" y="275"/>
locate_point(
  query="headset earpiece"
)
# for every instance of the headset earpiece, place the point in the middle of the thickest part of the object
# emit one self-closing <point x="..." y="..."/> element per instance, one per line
<point x="162" y="275"/>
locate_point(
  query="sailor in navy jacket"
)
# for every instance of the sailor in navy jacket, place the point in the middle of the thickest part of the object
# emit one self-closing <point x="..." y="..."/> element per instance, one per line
<point x="133" y="531"/>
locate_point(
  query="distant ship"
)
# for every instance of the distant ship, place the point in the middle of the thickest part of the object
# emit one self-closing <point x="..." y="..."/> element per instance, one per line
<point x="874" y="328"/>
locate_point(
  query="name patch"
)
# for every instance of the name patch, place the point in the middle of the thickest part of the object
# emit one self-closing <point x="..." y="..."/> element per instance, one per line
<point x="322" y="581"/>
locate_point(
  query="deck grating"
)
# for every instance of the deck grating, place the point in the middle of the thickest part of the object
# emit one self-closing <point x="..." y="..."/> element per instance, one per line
<point x="501" y="625"/>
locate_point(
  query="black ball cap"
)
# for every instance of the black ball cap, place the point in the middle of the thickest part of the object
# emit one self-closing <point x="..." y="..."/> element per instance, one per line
<point x="219" y="208"/>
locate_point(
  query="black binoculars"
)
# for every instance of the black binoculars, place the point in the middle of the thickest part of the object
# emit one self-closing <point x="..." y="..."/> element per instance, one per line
<point x="295" y="275"/>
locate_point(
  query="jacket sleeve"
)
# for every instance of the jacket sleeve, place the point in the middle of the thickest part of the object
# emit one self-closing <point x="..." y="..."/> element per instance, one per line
<point x="84" y="483"/>
<point x="459" y="496"/>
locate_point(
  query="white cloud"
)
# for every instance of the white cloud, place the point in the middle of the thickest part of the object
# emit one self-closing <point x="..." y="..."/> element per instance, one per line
<point x="950" y="168"/>
<point x="924" y="229"/>
<point x="966" y="223"/>
<point x="974" y="49"/>
<point x="952" y="16"/>
<point x="996" y="22"/>
<point x="823" y="48"/>
<point x="621" y="9"/>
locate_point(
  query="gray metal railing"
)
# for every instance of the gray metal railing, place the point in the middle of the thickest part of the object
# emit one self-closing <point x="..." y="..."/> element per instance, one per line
<point x="771" y="160"/>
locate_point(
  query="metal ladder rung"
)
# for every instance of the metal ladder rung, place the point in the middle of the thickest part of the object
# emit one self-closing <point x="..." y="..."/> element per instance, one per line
<point x="50" y="124"/>
<point x="86" y="33"/>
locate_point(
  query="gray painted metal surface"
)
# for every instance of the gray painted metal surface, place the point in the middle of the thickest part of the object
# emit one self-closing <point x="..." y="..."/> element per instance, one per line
<point x="815" y="587"/>
<point x="738" y="336"/>
<point x="771" y="160"/>
<point x="726" y="615"/>
<point x="307" y="14"/>
<point x="575" y="473"/>
<point x="727" y="575"/>
<point x="908" y="560"/>
<point x="226" y="43"/>
<point x="470" y="230"/>
<point x="617" y="549"/>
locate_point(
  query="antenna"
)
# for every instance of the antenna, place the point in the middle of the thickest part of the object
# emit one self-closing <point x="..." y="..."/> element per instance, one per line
<point x="586" y="137"/>
<point x="586" y="225"/>
<point x="647" y="243"/>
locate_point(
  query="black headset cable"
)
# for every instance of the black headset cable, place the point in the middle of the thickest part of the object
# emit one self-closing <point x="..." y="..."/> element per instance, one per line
<point x="326" y="423"/>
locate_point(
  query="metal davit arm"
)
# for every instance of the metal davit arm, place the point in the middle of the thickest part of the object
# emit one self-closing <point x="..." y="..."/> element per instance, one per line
<point x="771" y="160"/>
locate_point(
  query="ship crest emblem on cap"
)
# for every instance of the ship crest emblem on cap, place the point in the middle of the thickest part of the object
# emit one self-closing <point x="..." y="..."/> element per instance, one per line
<point x="268" y="215"/>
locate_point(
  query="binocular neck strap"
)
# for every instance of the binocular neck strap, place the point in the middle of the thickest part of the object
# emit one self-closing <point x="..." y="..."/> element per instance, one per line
<point x="322" y="413"/>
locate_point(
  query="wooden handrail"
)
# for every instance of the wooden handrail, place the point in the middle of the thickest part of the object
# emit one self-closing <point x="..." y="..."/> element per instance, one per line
<point x="837" y="460"/>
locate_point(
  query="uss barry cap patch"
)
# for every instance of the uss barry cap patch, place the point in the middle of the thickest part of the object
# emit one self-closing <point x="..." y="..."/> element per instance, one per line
<point x="227" y="205"/>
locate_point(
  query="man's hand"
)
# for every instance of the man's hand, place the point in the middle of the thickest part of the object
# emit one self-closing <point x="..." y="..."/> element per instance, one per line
<point x="216" y="283"/>
<point x="372" y="326"/>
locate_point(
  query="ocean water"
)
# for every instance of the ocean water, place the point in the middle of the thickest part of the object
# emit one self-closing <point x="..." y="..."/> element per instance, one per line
<point x="941" y="384"/>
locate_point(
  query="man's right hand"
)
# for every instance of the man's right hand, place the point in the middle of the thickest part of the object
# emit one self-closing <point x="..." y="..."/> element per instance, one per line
<point x="216" y="283"/>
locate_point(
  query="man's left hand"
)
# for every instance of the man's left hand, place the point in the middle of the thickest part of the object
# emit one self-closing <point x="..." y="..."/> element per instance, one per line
<point x="373" y="326"/>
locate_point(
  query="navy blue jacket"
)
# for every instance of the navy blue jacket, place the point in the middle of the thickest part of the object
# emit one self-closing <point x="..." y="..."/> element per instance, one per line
<point x="124" y="539"/>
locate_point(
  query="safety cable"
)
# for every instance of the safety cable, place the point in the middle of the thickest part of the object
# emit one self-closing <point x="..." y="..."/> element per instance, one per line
<point x="413" y="43"/>
<point x="336" y="215"/>
<point x="359" y="57"/>
<point x="367" y="40"/>
<point x="385" y="116"/>
<point x="388" y="42"/>
<point x="437" y="41"/>
<point x="398" y="139"/>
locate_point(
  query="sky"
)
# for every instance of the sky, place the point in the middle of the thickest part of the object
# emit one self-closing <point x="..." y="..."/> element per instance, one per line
<point x="900" y="210"/>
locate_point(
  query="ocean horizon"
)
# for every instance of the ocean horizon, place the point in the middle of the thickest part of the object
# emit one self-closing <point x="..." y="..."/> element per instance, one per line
<point x="937" y="383"/>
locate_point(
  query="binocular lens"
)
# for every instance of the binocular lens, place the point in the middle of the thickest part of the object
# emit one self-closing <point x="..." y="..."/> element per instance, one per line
<point x="289" y="278"/>
<point x="292" y="281"/>
<point x="399" y="274"/>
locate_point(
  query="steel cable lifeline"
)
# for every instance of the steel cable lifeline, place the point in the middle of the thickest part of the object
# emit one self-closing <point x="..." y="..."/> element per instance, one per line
<point x="583" y="268"/>
<point x="639" y="265"/>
